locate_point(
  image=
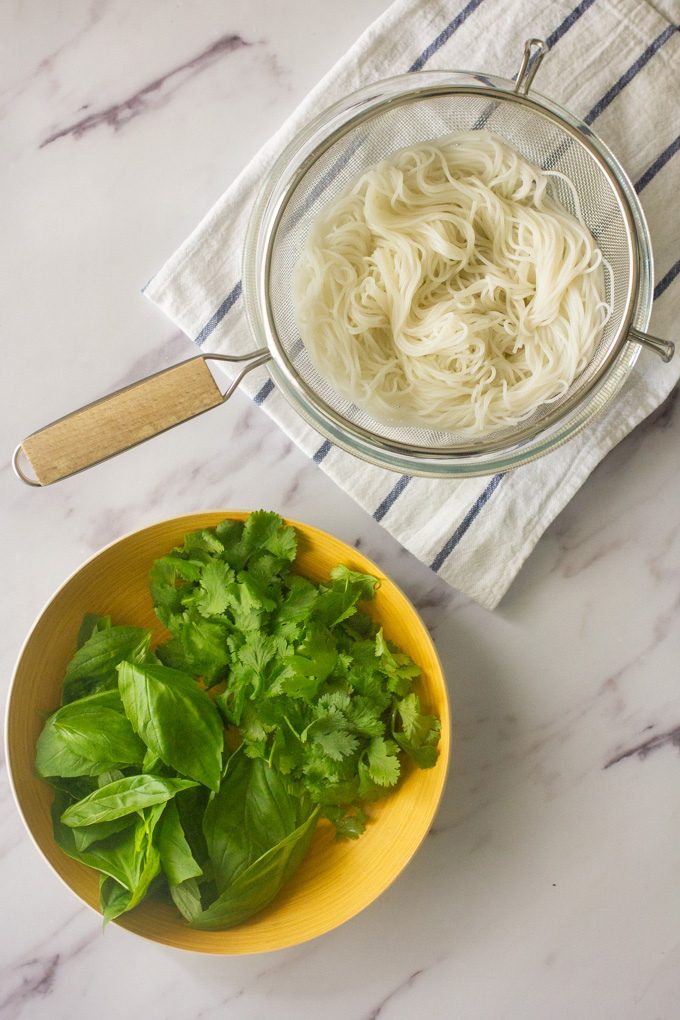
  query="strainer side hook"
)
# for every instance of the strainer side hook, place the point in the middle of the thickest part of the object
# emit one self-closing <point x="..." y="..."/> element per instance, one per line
<point x="534" y="51"/>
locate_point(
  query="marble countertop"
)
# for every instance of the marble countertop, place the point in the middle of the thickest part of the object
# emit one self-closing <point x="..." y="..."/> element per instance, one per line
<point x="549" y="885"/>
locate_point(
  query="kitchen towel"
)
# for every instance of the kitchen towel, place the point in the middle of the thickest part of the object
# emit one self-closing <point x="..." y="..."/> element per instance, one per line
<point x="614" y="63"/>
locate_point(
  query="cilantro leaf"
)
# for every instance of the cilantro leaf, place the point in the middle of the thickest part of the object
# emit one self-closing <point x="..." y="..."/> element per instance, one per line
<point x="210" y="597"/>
<point x="347" y="826"/>
<point x="420" y="732"/>
<point x="383" y="764"/>
<point x="363" y="585"/>
<point x="336" y="744"/>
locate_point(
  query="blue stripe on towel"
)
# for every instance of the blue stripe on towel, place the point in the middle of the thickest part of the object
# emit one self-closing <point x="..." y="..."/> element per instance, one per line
<point x="470" y="516"/>
<point x="667" y="280"/>
<point x="657" y="165"/>
<point x="445" y="35"/>
<point x="219" y="314"/>
<point x="262" y="394"/>
<point x="564" y="27"/>
<point x="628" y="76"/>
<point x="391" y="497"/>
<point x="323" y="450"/>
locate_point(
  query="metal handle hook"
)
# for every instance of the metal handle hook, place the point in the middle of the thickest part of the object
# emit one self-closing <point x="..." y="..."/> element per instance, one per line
<point x="664" y="348"/>
<point x="536" y="49"/>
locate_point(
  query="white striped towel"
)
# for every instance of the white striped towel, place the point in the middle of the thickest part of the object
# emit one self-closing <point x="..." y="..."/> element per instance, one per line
<point x="614" y="63"/>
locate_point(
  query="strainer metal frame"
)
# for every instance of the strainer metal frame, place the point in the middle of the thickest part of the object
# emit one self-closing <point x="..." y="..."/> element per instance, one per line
<point x="461" y="458"/>
<point x="277" y="210"/>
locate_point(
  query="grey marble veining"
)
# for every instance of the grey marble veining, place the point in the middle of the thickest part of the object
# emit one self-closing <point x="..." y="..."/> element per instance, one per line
<point x="547" y="886"/>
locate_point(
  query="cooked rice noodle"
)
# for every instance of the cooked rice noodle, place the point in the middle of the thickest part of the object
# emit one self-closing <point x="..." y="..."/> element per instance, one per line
<point x="445" y="288"/>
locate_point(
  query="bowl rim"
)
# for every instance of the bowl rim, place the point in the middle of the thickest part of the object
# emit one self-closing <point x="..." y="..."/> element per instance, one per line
<point x="443" y="763"/>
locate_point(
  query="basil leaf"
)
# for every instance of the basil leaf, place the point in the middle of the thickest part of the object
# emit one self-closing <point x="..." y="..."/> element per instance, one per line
<point x="104" y="778"/>
<point x="92" y="622"/>
<point x="187" y="898"/>
<point x="176" y="858"/>
<point x="86" y="738"/>
<point x="140" y="864"/>
<point x="123" y="797"/>
<point x="191" y="805"/>
<point x="115" y="857"/>
<point x="252" y="812"/>
<point x="114" y="899"/>
<point x="256" y="887"/>
<point x="176" y="720"/>
<point x="93" y="667"/>
<point x="85" y="835"/>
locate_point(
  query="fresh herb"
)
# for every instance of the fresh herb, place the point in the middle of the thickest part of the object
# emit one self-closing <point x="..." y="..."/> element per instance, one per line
<point x="199" y="771"/>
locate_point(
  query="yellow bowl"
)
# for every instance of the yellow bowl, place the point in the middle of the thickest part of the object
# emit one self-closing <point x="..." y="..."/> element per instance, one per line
<point x="337" y="878"/>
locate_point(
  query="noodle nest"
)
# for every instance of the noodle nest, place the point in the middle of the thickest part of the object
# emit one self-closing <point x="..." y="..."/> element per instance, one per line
<point x="445" y="288"/>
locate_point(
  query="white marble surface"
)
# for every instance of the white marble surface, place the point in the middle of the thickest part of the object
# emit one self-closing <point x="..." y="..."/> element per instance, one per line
<point x="549" y="886"/>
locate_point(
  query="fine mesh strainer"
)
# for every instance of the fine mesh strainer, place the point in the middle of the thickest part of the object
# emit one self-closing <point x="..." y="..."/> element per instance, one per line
<point x="337" y="146"/>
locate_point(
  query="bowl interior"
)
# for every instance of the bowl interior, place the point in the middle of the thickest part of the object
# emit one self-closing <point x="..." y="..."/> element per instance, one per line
<point x="337" y="878"/>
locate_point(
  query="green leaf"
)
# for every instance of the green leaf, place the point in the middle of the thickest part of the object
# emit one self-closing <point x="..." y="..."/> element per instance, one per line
<point x="420" y="732"/>
<point x="286" y="753"/>
<point x="202" y="541"/>
<point x="93" y="667"/>
<point x="119" y="856"/>
<point x="260" y="654"/>
<point x="92" y="622"/>
<point x="191" y="805"/>
<point x="368" y="789"/>
<point x="365" y="717"/>
<point x="210" y="597"/>
<point x="257" y="885"/>
<point x="363" y="584"/>
<point x="283" y="544"/>
<point x="114" y="899"/>
<point x="417" y="727"/>
<point x="234" y="550"/>
<point x="397" y="667"/>
<point x="383" y="764"/>
<point x="187" y="898"/>
<point x="252" y="812"/>
<point x="347" y="826"/>
<point x="176" y="857"/>
<point x="142" y="864"/>
<point x="85" y="835"/>
<point x="337" y="745"/>
<point x="337" y="601"/>
<point x="86" y="737"/>
<point x="175" y="719"/>
<point x="260" y="529"/>
<point x="315" y="657"/>
<point x="153" y="763"/>
<point x="122" y="798"/>
<point x="332" y="607"/>
<point x="104" y="778"/>
<point x="200" y="646"/>
<point x="424" y="755"/>
<point x="297" y="604"/>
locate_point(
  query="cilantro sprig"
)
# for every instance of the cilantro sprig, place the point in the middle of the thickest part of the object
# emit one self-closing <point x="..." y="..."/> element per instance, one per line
<point x="307" y="678"/>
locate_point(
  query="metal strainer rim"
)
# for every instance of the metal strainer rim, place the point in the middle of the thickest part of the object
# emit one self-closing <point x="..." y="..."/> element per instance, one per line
<point x="296" y="162"/>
